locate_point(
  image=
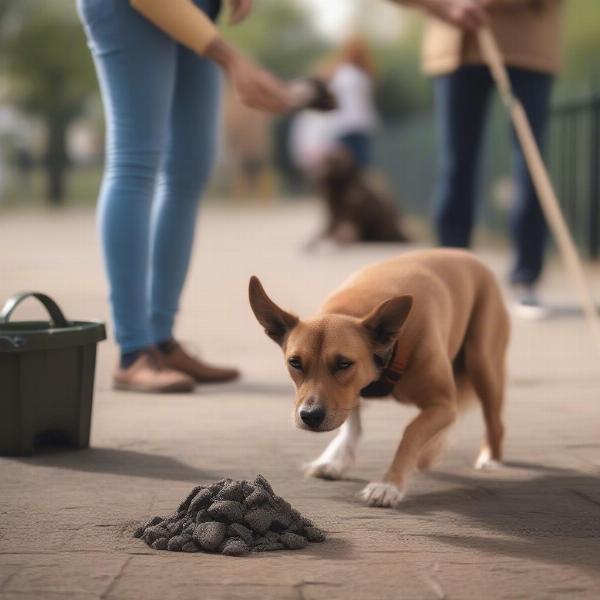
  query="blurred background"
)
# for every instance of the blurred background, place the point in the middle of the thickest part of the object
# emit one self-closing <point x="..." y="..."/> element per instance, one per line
<point x="51" y="124"/>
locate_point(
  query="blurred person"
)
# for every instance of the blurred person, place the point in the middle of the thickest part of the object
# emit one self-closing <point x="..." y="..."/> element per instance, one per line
<point x="157" y="65"/>
<point x="351" y="82"/>
<point x="310" y="140"/>
<point x="2" y="176"/>
<point x="248" y="144"/>
<point x="24" y="163"/>
<point x="529" y="36"/>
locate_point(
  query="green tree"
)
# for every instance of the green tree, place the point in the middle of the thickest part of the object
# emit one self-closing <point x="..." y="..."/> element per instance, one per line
<point x="280" y="36"/>
<point x="401" y="88"/>
<point x="49" y="73"/>
<point x="582" y="48"/>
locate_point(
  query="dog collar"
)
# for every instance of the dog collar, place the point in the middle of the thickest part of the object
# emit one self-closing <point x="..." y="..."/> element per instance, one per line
<point x="388" y="378"/>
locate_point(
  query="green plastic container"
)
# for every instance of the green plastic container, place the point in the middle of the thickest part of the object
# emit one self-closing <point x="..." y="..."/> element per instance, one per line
<point x="46" y="379"/>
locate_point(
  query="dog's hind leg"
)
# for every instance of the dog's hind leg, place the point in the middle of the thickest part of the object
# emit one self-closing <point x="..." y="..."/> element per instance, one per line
<point x="491" y="393"/>
<point x="340" y="454"/>
<point x="485" y="350"/>
<point x="432" y="452"/>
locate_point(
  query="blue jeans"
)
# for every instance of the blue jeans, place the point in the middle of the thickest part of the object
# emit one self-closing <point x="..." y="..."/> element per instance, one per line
<point x="358" y="144"/>
<point x="462" y="99"/>
<point x="161" y="108"/>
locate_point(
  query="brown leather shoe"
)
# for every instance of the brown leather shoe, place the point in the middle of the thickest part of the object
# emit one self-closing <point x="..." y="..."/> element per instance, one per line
<point x="175" y="357"/>
<point x="149" y="374"/>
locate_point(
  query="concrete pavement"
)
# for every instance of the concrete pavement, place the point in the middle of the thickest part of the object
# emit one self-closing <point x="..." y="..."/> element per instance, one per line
<point x="530" y="530"/>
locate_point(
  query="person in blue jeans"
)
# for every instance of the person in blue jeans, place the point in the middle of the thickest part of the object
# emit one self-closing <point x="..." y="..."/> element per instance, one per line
<point x="158" y="68"/>
<point x="528" y="34"/>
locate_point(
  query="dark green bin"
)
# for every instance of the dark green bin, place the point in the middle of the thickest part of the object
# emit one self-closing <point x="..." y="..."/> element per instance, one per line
<point x="46" y="379"/>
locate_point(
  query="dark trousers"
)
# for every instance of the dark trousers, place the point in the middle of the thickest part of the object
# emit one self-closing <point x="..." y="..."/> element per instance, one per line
<point x="462" y="100"/>
<point x="358" y="144"/>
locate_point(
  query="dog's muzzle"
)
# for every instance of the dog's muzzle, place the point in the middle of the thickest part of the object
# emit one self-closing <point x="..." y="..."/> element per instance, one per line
<point x="312" y="416"/>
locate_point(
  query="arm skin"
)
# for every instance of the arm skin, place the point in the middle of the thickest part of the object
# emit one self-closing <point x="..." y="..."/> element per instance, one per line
<point x="181" y="19"/>
<point x="466" y="14"/>
<point x="187" y="24"/>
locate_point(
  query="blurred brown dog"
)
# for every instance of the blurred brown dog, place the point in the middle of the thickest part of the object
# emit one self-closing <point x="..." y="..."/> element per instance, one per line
<point x="428" y="328"/>
<point x="358" y="207"/>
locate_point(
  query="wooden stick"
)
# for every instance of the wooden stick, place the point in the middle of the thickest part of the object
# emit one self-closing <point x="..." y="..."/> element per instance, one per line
<point x="541" y="180"/>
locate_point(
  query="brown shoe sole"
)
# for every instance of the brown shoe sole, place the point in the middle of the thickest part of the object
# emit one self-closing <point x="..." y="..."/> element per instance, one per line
<point x="211" y="380"/>
<point x="175" y="388"/>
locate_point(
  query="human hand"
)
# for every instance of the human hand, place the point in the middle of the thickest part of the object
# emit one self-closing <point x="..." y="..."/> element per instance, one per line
<point x="239" y="10"/>
<point x="260" y="89"/>
<point x="466" y="14"/>
<point x="255" y="86"/>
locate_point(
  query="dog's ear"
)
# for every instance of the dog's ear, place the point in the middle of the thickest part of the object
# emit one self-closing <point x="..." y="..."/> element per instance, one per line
<point x="385" y="321"/>
<point x="275" y="320"/>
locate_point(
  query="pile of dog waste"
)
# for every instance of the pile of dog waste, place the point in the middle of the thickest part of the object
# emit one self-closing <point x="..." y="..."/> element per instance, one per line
<point x="231" y="518"/>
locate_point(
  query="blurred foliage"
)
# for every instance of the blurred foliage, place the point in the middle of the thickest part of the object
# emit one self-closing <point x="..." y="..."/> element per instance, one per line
<point x="281" y="36"/>
<point x="581" y="71"/>
<point x="49" y="72"/>
<point x="401" y="88"/>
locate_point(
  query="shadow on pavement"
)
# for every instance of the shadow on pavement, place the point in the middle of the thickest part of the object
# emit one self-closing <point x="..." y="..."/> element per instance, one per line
<point x="262" y="388"/>
<point x="554" y="518"/>
<point x="118" y="461"/>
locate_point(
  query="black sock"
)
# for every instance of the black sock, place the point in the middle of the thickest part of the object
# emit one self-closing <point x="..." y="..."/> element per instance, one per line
<point x="167" y="346"/>
<point x="128" y="358"/>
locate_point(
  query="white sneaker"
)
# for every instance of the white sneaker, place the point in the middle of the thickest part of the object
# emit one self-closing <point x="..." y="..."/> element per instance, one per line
<point x="527" y="304"/>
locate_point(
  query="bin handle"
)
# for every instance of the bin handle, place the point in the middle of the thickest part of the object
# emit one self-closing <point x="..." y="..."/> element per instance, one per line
<point x="55" y="313"/>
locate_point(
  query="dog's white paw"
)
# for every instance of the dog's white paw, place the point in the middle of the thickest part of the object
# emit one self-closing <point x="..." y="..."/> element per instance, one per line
<point x="379" y="493"/>
<point x="485" y="462"/>
<point x="325" y="470"/>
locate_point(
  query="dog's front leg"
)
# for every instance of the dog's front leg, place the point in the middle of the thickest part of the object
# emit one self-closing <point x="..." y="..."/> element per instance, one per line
<point x="340" y="454"/>
<point x="421" y="430"/>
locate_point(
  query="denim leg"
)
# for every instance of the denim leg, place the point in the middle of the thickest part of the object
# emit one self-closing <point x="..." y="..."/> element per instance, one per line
<point x="187" y="166"/>
<point x="135" y="63"/>
<point x="461" y="100"/>
<point x="528" y="225"/>
<point x="359" y="145"/>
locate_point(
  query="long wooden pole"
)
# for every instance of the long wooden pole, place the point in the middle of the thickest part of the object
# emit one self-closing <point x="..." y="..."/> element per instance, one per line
<point x="541" y="179"/>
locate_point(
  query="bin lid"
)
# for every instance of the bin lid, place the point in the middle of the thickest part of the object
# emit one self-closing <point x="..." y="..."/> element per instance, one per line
<point x="26" y="336"/>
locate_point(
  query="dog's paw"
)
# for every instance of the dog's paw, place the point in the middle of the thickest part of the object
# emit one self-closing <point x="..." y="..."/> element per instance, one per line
<point x="485" y="462"/>
<point x="325" y="470"/>
<point x="379" y="493"/>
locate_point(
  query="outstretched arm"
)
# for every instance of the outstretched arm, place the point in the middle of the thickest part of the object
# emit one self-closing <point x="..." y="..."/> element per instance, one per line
<point x="188" y="25"/>
<point x="466" y="14"/>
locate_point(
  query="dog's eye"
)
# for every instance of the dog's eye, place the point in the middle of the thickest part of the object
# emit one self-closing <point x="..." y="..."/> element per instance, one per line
<point x="343" y="363"/>
<point x="295" y="363"/>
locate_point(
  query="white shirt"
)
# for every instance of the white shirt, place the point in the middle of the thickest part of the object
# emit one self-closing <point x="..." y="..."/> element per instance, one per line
<point x="353" y="90"/>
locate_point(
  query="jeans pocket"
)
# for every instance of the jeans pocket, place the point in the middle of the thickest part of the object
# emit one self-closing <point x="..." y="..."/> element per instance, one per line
<point x="93" y="12"/>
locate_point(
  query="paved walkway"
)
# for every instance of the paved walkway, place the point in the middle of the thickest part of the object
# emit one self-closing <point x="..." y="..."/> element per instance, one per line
<point x="531" y="530"/>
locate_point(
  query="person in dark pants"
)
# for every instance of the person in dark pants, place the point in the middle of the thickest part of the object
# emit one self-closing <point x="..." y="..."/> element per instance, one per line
<point x="528" y="34"/>
<point x="461" y="100"/>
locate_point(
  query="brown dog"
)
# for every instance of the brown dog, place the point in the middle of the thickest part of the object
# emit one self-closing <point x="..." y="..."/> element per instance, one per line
<point x="427" y="327"/>
<point x="359" y="207"/>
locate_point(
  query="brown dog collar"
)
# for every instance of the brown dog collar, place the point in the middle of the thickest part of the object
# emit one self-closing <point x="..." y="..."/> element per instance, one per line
<point x="389" y="377"/>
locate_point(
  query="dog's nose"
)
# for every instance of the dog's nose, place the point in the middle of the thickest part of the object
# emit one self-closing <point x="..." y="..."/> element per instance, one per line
<point x="312" y="416"/>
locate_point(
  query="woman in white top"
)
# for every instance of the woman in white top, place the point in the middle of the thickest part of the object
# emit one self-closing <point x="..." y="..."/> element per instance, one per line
<point x="355" y="119"/>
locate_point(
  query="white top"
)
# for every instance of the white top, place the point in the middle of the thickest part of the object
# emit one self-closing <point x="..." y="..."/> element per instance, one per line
<point x="314" y="133"/>
<point x="353" y="90"/>
<point x="310" y="138"/>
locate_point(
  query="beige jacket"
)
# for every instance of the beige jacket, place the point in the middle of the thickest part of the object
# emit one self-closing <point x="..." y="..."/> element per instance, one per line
<point x="529" y="33"/>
